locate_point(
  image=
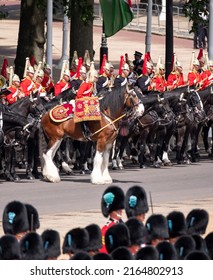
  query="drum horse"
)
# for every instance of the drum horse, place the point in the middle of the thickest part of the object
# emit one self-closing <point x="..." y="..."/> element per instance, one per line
<point x="114" y="104"/>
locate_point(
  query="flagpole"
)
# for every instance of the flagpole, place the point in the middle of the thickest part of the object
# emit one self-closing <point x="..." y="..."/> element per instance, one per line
<point x="103" y="48"/>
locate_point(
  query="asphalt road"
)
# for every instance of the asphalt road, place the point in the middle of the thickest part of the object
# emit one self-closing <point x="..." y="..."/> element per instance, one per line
<point x="176" y="184"/>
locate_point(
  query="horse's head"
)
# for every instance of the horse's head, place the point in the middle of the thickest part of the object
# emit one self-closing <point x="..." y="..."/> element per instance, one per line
<point x="36" y="106"/>
<point x="193" y="100"/>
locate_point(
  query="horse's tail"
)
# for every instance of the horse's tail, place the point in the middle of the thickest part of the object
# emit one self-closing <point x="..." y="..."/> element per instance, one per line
<point x="43" y="141"/>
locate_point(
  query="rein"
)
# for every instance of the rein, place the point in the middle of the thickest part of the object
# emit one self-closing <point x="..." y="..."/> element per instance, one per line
<point x="99" y="130"/>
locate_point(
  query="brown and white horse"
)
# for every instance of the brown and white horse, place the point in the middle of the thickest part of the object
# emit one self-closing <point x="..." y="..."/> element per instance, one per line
<point x="114" y="105"/>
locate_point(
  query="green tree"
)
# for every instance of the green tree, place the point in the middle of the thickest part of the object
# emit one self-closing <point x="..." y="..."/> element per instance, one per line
<point x="81" y="31"/>
<point x="31" y="38"/>
<point x="192" y="10"/>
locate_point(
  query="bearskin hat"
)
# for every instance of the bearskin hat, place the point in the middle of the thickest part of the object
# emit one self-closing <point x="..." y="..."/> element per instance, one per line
<point x="157" y="227"/>
<point x="197" y="221"/>
<point x="102" y="256"/>
<point x="147" y="253"/>
<point x="33" y="217"/>
<point x="200" y="243"/>
<point x="184" y="245"/>
<point x="15" y="219"/>
<point x="166" y="251"/>
<point x="209" y="244"/>
<point x="32" y="247"/>
<point x="95" y="237"/>
<point x="197" y="255"/>
<point x="76" y="240"/>
<point x="9" y="248"/>
<point x="176" y="224"/>
<point x="137" y="230"/>
<point x="116" y="236"/>
<point x="122" y="253"/>
<point x="112" y="200"/>
<point x="81" y="256"/>
<point x="51" y="243"/>
<point x="136" y="201"/>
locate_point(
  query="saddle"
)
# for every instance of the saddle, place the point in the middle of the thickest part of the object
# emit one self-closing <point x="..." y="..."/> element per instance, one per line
<point x="61" y="113"/>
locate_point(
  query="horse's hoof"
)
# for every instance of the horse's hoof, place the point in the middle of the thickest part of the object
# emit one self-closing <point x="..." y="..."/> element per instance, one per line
<point x="37" y="175"/>
<point x="16" y="178"/>
<point x="157" y="165"/>
<point x="142" y="166"/>
<point x="168" y="163"/>
<point x="30" y="176"/>
<point x="114" y="168"/>
<point x="9" y="178"/>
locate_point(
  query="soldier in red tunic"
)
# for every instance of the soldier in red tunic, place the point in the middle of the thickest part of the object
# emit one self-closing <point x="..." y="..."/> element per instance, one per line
<point x="159" y="79"/>
<point x="176" y="78"/>
<point x="41" y="91"/>
<point x="27" y="83"/>
<point x="63" y="84"/>
<point x="16" y="91"/>
<point x="112" y="204"/>
<point x="47" y="81"/>
<point x="194" y="78"/>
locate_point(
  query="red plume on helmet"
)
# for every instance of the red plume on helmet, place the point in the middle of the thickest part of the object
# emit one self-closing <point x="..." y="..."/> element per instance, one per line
<point x="200" y="54"/>
<point x="80" y="62"/>
<point x="121" y="65"/>
<point x="104" y="61"/>
<point x="32" y="60"/>
<point x="144" y="64"/>
<point x="4" y="68"/>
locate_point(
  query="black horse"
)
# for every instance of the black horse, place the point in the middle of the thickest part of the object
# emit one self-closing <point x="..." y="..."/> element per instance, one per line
<point x="19" y="120"/>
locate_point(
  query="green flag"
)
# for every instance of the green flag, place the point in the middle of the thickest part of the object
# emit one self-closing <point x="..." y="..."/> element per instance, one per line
<point x="116" y="15"/>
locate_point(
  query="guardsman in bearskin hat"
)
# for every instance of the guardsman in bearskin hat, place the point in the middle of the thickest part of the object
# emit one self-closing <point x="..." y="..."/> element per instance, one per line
<point x="122" y="253"/>
<point x="176" y="78"/>
<point x="15" y="219"/>
<point x="116" y="236"/>
<point x="32" y="247"/>
<point x="112" y="204"/>
<point x="75" y="240"/>
<point x="176" y="224"/>
<point x="157" y="227"/>
<point x="9" y="248"/>
<point x="51" y="244"/>
<point x="63" y="83"/>
<point x="138" y="234"/>
<point x="16" y="90"/>
<point x="47" y="82"/>
<point x="166" y="251"/>
<point x="27" y="83"/>
<point x="33" y="217"/>
<point x="136" y="204"/>
<point x="95" y="239"/>
<point x="147" y="253"/>
<point x="184" y="245"/>
<point x="197" y="221"/>
<point x="209" y="243"/>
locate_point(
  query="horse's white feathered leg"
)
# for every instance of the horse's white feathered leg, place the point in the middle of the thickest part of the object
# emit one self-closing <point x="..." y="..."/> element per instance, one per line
<point x="96" y="176"/>
<point x="50" y="171"/>
<point x="105" y="169"/>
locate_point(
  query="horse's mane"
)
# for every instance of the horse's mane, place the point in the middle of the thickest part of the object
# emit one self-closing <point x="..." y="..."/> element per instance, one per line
<point x="18" y="102"/>
<point x="66" y="95"/>
<point x="112" y="100"/>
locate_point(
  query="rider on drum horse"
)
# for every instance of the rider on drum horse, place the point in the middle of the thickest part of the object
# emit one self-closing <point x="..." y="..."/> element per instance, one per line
<point x="87" y="89"/>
